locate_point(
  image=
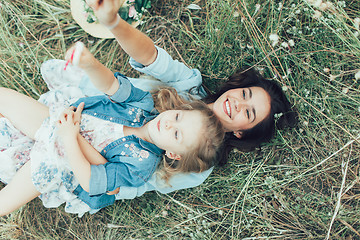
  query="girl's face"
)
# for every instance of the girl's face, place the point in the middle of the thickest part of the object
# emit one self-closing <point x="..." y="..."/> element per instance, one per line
<point x="176" y="131"/>
<point x="242" y="108"/>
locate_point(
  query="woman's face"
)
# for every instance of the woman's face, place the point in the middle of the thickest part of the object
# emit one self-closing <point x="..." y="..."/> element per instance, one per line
<point x="242" y="108"/>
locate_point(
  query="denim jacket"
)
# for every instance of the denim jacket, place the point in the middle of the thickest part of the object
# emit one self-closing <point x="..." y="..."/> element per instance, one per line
<point x="169" y="72"/>
<point x="131" y="160"/>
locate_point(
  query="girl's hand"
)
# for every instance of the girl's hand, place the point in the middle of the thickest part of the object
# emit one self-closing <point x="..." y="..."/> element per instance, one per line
<point x="116" y="191"/>
<point x="105" y="10"/>
<point x="79" y="55"/>
<point x="69" y="123"/>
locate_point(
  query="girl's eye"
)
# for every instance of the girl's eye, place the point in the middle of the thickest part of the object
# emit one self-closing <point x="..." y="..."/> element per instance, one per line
<point x="177" y="117"/>
<point x="244" y="94"/>
<point x="176" y="134"/>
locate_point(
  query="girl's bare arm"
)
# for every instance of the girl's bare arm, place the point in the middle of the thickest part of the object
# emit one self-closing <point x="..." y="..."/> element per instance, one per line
<point x="101" y="77"/>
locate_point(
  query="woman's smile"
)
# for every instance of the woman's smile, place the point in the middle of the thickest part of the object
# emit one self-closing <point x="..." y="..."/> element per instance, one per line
<point x="227" y="108"/>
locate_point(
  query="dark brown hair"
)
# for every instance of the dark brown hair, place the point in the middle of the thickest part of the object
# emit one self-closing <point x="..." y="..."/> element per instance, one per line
<point x="265" y="130"/>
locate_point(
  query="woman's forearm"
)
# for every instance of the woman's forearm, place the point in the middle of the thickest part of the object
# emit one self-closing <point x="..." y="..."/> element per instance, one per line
<point x="135" y="43"/>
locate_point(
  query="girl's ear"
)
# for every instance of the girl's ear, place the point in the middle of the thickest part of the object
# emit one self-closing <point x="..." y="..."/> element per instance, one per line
<point x="172" y="155"/>
<point x="238" y="134"/>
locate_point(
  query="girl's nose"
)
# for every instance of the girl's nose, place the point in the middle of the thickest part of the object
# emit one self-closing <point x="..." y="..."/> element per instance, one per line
<point x="168" y="124"/>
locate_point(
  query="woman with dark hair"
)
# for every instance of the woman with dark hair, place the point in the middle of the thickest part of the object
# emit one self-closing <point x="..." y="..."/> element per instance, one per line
<point x="246" y="104"/>
<point x="241" y="85"/>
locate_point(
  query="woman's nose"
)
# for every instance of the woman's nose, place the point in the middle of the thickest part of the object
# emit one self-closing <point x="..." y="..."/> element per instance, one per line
<point x="239" y="106"/>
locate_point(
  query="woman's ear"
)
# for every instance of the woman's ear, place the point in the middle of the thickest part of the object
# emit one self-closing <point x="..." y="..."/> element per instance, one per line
<point x="238" y="134"/>
<point x="172" y="155"/>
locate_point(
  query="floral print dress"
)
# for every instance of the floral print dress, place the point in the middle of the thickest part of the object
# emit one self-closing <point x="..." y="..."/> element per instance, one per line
<point x="50" y="170"/>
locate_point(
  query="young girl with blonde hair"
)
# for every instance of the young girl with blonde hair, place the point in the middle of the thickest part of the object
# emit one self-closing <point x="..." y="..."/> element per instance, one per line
<point x="82" y="155"/>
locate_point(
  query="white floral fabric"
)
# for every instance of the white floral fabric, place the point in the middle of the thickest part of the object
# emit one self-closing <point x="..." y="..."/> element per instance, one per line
<point x="50" y="170"/>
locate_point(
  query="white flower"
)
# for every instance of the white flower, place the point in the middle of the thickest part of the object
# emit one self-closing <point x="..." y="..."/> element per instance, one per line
<point x="357" y="75"/>
<point x="323" y="6"/>
<point x="357" y="23"/>
<point x="278" y="115"/>
<point x="236" y="14"/>
<point x="326" y="70"/>
<point x="317" y="3"/>
<point x="332" y="77"/>
<point x="317" y="14"/>
<point x="274" y="38"/>
<point x="342" y="4"/>
<point x="257" y="8"/>
<point x="284" y="44"/>
<point x="345" y="90"/>
<point x="284" y="88"/>
<point x="164" y="213"/>
<point x="291" y="43"/>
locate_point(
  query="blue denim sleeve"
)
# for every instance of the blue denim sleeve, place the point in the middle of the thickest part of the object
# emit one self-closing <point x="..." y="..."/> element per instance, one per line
<point x="111" y="175"/>
<point x="176" y="182"/>
<point x="171" y="72"/>
<point x="127" y="92"/>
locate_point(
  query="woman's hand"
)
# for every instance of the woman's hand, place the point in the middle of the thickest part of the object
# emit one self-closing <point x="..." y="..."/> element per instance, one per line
<point x="105" y="10"/>
<point x="69" y="123"/>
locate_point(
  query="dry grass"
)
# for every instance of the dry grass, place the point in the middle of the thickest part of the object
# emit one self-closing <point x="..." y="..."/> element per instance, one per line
<point x="302" y="185"/>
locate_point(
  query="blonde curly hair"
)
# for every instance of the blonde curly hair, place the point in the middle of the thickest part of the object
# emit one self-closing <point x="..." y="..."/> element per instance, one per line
<point x="202" y="156"/>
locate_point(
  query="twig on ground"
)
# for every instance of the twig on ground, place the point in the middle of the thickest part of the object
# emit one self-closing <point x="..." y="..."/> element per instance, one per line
<point x="344" y="169"/>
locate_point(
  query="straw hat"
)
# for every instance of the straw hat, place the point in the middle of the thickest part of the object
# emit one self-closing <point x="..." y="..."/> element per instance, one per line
<point x="80" y="15"/>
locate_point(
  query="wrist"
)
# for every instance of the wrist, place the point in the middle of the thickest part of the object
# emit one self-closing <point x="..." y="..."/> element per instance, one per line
<point x="114" y="23"/>
<point x="70" y="140"/>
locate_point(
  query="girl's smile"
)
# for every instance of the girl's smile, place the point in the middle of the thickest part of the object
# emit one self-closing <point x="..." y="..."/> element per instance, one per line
<point x="158" y="125"/>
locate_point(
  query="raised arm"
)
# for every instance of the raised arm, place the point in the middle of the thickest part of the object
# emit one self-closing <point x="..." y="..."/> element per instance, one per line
<point x="101" y="77"/>
<point x="135" y="43"/>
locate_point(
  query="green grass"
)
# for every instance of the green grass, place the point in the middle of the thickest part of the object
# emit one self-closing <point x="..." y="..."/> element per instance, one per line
<point x="302" y="185"/>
